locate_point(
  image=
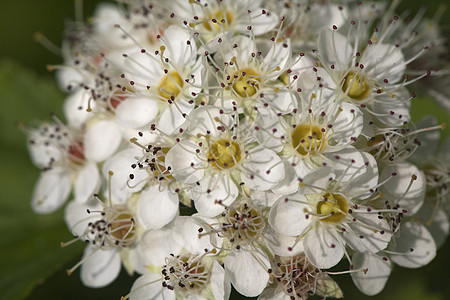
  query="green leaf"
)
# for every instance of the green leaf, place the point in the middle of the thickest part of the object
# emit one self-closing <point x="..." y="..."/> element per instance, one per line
<point x="30" y="243"/>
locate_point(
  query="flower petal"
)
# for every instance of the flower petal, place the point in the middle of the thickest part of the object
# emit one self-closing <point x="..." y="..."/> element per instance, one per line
<point x="246" y="271"/>
<point x="216" y="187"/>
<point x="101" y="140"/>
<point x="157" y="208"/>
<point x="288" y="217"/>
<point x="323" y="247"/>
<point x="220" y="283"/>
<point x="136" y="112"/>
<point x="51" y="190"/>
<point x="373" y="281"/>
<point x="87" y="183"/>
<point x="263" y="170"/>
<point x="100" y="268"/>
<point x="414" y="244"/>
<point x="148" y="287"/>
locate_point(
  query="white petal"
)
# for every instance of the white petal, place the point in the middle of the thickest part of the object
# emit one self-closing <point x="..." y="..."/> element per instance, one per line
<point x="186" y="230"/>
<point x="220" y="284"/>
<point x="316" y="177"/>
<point x="273" y="294"/>
<point x="75" y="108"/>
<point x="178" y="51"/>
<point x="384" y="61"/>
<point x="148" y="287"/>
<point x="378" y="270"/>
<point x="429" y="141"/>
<point x="348" y="125"/>
<point x="171" y="118"/>
<point x="349" y="164"/>
<point x="101" y="140"/>
<point x="363" y="185"/>
<point x="334" y="49"/>
<point x="100" y="268"/>
<point x="266" y="198"/>
<point x="396" y="187"/>
<point x="287" y="216"/>
<point x="42" y="153"/>
<point x="180" y="157"/>
<point x="267" y="121"/>
<point x="436" y="221"/>
<point x="413" y="236"/>
<point x="289" y="184"/>
<point x="263" y="170"/>
<point x="77" y="218"/>
<point x="282" y="245"/>
<point x="157" y="208"/>
<point x="121" y="185"/>
<point x="220" y="187"/>
<point x="136" y="112"/>
<point x="262" y="23"/>
<point x="247" y="275"/>
<point x="155" y="245"/>
<point x="206" y="119"/>
<point x="51" y="190"/>
<point x="375" y="233"/>
<point x="396" y="103"/>
<point x="87" y="183"/>
<point x="323" y="247"/>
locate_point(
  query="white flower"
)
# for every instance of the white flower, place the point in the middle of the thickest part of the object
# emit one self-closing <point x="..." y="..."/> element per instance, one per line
<point x="60" y="152"/>
<point x="296" y="278"/>
<point x="167" y="78"/>
<point x="109" y="230"/>
<point x="246" y="73"/>
<point x="369" y="78"/>
<point x="212" y="18"/>
<point x="331" y="217"/>
<point x="216" y="157"/>
<point x="186" y="263"/>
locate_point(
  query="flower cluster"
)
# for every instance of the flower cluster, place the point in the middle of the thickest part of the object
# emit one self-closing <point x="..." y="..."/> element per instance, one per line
<point x="257" y="144"/>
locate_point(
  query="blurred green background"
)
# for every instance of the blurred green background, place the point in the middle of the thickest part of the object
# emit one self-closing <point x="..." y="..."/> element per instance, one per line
<point x="32" y="265"/>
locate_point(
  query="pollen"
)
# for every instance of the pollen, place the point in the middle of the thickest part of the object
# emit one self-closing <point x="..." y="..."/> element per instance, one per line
<point x="170" y="86"/>
<point x="246" y="83"/>
<point x="356" y="86"/>
<point x="334" y="207"/>
<point x="224" y="154"/>
<point x="308" y="139"/>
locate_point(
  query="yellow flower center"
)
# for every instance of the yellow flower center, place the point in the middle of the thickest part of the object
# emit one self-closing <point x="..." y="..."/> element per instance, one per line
<point x="334" y="207"/>
<point x="222" y="18"/>
<point x="308" y="139"/>
<point x="356" y="86"/>
<point x="224" y="154"/>
<point x="246" y="83"/>
<point x="170" y="86"/>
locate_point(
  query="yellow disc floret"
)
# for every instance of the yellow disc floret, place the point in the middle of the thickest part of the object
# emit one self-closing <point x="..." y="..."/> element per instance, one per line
<point x="170" y="86"/>
<point x="307" y="139"/>
<point x="333" y="206"/>
<point x="246" y="83"/>
<point x="224" y="154"/>
<point x="356" y="86"/>
<point x="217" y="20"/>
